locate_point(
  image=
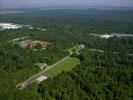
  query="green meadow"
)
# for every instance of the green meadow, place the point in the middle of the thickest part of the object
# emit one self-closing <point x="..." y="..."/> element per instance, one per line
<point x="67" y="65"/>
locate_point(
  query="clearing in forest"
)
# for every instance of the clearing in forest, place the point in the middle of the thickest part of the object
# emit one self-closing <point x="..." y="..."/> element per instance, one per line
<point x="67" y="65"/>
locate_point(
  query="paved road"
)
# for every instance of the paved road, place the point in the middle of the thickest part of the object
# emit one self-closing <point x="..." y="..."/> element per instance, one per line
<point x="32" y="79"/>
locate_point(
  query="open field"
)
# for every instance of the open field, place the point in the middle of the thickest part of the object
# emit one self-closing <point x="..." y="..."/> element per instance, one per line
<point x="67" y="65"/>
<point x="32" y="79"/>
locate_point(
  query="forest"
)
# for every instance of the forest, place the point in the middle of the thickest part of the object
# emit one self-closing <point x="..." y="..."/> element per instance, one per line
<point x="104" y="75"/>
<point x="93" y="79"/>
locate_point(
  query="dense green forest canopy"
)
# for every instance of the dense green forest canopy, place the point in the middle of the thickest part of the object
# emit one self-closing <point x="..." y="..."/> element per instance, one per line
<point x="104" y="75"/>
<point x="84" y="21"/>
<point x="93" y="79"/>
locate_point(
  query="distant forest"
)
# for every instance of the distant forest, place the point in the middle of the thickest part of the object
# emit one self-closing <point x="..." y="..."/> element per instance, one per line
<point x="104" y="75"/>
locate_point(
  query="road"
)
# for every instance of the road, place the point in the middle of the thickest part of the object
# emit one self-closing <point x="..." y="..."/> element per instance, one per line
<point x="32" y="79"/>
<point x="102" y="51"/>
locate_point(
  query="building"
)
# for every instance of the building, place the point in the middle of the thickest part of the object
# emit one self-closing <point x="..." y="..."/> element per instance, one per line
<point x="32" y="43"/>
<point x="42" y="43"/>
<point x="27" y="41"/>
<point x="4" y="26"/>
<point x="20" y="39"/>
<point x="106" y="36"/>
<point x="41" y="78"/>
<point x="41" y="65"/>
<point x="82" y="46"/>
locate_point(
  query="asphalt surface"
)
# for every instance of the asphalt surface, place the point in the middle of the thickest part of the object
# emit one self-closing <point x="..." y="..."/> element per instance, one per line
<point x="32" y="79"/>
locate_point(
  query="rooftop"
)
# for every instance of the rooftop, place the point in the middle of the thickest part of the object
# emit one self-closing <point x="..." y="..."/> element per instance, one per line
<point x="41" y="78"/>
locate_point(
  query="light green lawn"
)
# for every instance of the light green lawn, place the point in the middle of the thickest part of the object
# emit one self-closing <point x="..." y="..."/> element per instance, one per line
<point x="67" y="65"/>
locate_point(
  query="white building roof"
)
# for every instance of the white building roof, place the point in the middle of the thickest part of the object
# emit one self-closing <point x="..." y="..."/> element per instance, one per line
<point x="106" y="36"/>
<point x="9" y="26"/>
<point x="41" y="78"/>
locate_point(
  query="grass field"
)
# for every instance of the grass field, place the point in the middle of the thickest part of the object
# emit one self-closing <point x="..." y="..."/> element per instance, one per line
<point x="67" y="65"/>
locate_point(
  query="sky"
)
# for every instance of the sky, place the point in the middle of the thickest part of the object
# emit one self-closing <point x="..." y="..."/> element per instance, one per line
<point x="58" y="3"/>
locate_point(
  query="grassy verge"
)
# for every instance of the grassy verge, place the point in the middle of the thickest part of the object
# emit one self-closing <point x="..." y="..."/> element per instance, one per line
<point x="67" y="65"/>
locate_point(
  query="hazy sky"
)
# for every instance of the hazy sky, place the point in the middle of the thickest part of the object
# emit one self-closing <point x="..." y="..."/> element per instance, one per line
<point x="50" y="3"/>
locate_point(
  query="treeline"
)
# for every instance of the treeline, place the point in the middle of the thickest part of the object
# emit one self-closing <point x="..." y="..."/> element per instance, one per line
<point x="84" y="21"/>
<point x="114" y="44"/>
<point x="64" y="40"/>
<point x="101" y="76"/>
<point x="12" y="56"/>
